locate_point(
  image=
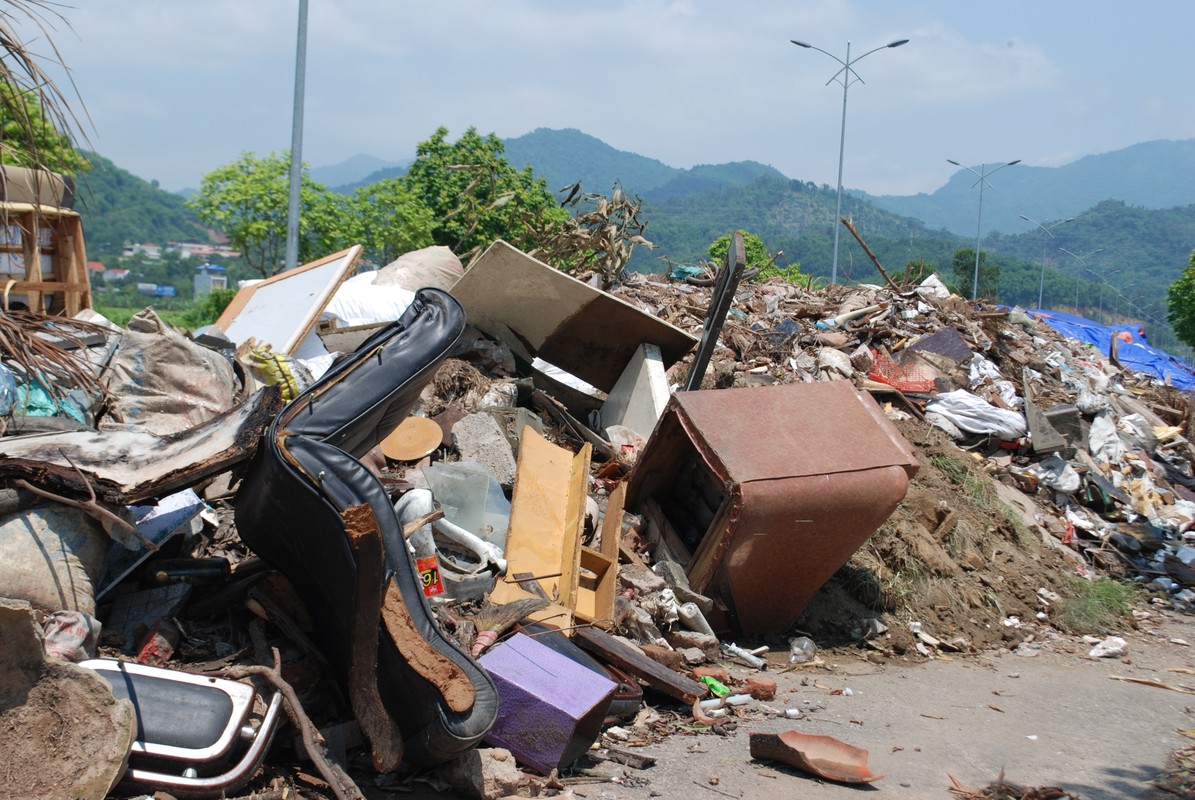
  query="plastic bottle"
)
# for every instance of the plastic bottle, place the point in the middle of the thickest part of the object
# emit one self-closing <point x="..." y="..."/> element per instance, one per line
<point x="8" y="391"/>
<point x="801" y="650"/>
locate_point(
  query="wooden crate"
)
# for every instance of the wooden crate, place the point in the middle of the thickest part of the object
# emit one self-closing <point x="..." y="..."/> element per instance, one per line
<point x="43" y="261"/>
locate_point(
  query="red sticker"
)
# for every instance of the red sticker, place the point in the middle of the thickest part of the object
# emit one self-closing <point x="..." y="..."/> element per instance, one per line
<point x="429" y="574"/>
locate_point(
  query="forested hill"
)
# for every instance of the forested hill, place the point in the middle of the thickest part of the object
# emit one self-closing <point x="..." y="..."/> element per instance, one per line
<point x="118" y="208"/>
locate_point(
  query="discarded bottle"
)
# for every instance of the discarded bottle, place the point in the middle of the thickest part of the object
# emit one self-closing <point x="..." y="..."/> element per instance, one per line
<point x="801" y="650"/>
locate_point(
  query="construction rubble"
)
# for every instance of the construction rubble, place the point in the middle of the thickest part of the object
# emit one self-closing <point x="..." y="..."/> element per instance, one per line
<point x="477" y="528"/>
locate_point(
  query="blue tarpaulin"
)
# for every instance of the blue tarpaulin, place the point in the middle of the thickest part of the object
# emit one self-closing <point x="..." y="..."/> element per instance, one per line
<point x="1132" y="351"/>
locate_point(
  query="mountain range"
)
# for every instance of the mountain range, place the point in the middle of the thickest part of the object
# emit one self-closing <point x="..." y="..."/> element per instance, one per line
<point x="1132" y="210"/>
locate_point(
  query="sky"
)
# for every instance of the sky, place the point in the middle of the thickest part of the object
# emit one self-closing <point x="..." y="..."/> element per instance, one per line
<point x="174" y="89"/>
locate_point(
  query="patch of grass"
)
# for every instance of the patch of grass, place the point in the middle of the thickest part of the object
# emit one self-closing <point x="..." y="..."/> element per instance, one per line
<point x="958" y="474"/>
<point x="121" y="316"/>
<point x="1095" y="607"/>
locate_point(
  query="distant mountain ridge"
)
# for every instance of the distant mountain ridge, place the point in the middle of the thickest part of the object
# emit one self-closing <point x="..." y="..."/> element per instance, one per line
<point x="351" y="170"/>
<point x="1154" y="175"/>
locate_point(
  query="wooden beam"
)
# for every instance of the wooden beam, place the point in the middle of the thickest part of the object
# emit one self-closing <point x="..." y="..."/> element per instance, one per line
<point x="631" y="660"/>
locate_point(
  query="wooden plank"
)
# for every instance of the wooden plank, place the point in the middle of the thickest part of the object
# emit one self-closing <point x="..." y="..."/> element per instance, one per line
<point x="625" y="657"/>
<point x="32" y="255"/>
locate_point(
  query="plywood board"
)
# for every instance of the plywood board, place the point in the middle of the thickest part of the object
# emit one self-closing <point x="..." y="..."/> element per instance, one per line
<point x="547" y="518"/>
<point x="280" y="311"/>
<point x="539" y="311"/>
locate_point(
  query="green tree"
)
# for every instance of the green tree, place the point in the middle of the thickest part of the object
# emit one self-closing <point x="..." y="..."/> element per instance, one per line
<point x="28" y="137"/>
<point x="758" y="258"/>
<point x="248" y="201"/>
<point x="962" y="267"/>
<point x="391" y="221"/>
<point x="474" y="195"/>
<point x="1180" y="304"/>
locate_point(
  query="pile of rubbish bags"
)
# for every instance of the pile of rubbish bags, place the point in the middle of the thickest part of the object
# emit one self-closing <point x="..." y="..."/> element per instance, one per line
<point x="365" y="502"/>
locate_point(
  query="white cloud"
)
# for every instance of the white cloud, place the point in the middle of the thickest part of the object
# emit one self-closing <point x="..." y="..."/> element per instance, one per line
<point x="177" y="88"/>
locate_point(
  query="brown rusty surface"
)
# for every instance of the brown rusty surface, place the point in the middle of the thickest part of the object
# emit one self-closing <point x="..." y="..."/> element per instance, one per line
<point x="773" y="432"/>
<point x="793" y="479"/>
<point x="432" y="665"/>
<point x="385" y="737"/>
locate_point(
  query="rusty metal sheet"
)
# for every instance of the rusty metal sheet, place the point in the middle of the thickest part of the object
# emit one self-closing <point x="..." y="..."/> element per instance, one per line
<point x="539" y="311"/>
<point x="782" y="484"/>
<point x="793" y="430"/>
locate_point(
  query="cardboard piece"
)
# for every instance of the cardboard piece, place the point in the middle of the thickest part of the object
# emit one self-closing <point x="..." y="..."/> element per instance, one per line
<point x="547" y="519"/>
<point x="282" y="310"/>
<point x="537" y="310"/>
<point x="550" y="707"/>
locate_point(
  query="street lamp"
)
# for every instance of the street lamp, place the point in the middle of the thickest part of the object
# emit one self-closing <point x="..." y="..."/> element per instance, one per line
<point x="1082" y="259"/>
<point x="1041" y="285"/>
<point x="982" y="175"/>
<point x="1104" y="282"/>
<point x="847" y="74"/>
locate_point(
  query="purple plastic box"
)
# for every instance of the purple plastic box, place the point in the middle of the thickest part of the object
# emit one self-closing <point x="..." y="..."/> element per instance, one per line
<point x="550" y="709"/>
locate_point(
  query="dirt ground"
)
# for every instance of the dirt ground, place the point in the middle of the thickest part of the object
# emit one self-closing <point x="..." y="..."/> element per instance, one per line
<point x="955" y="557"/>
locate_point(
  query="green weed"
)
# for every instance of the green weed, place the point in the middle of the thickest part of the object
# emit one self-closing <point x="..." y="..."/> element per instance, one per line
<point x="1095" y="607"/>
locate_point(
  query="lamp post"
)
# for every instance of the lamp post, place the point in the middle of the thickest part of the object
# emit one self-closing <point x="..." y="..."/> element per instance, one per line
<point x="1082" y="259"/>
<point x="847" y="73"/>
<point x="1104" y="282"/>
<point x="296" y="142"/>
<point x="1046" y="229"/>
<point x="983" y="179"/>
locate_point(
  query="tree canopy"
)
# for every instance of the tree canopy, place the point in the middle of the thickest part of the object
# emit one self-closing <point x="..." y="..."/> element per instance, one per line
<point x="248" y="201"/>
<point x="36" y="120"/>
<point x="474" y="195"/>
<point x="1180" y="304"/>
<point x="463" y="195"/>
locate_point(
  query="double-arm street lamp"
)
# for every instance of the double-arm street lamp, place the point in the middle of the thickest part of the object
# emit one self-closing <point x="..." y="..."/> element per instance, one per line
<point x="1082" y="259"/>
<point x="982" y="175"/>
<point x="1046" y="229"/>
<point x="845" y="76"/>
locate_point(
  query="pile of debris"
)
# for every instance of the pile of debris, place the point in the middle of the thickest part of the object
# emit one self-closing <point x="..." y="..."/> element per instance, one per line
<point x="424" y="509"/>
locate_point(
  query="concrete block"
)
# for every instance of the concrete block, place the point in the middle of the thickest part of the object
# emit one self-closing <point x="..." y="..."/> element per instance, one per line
<point x="479" y="437"/>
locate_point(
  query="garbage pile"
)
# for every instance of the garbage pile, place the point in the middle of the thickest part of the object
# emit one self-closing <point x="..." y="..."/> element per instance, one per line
<point x="446" y="521"/>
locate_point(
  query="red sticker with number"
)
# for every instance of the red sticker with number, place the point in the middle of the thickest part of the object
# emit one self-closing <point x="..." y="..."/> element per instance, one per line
<point x="429" y="574"/>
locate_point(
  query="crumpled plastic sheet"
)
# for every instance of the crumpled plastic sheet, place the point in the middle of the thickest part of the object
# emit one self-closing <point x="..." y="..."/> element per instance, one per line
<point x="71" y="635"/>
<point x="1104" y="442"/>
<point x="976" y="415"/>
<point x="1058" y="474"/>
<point x="834" y="365"/>
<point x="1088" y="402"/>
<point x="1137" y="432"/>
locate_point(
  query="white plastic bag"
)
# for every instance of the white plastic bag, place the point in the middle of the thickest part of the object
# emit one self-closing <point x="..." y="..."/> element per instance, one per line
<point x="976" y="415"/>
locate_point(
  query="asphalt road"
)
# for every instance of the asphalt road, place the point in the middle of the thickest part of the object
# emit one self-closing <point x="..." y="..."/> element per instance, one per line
<point x="1056" y="718"/>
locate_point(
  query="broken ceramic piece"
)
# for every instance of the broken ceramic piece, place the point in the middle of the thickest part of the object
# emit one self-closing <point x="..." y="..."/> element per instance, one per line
<point x="823" y="756"/>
